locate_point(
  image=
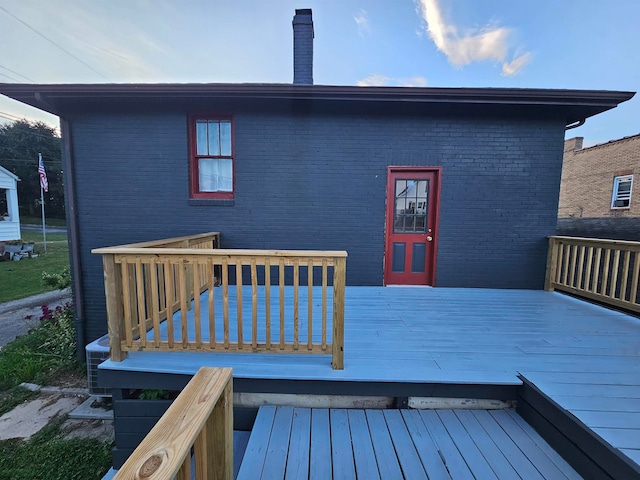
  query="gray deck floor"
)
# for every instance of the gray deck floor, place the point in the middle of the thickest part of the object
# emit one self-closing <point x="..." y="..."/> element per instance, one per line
<point x="585" y="357"/>
<point x="303" y="443"/>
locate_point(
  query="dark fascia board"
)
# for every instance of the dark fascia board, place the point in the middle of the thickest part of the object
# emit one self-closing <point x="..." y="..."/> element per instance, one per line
<point x="58" y="98"/>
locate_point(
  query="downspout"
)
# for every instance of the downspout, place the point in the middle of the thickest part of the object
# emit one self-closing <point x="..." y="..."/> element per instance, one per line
<point x="575" y="124"/>
<point x="74" y="243"/>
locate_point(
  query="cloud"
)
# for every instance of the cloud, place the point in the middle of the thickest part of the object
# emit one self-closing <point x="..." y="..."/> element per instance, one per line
<point x="488" y="43"/>
<point x="378" y="80"/>
<point x="362" y="21"/>
<point x="512" y="68"/>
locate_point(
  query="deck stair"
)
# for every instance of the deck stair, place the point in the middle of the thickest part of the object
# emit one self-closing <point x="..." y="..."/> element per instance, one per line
<point x="315" y="443"/>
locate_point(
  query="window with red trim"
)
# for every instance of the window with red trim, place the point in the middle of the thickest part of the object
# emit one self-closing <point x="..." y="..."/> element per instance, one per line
<point x="212" y="163"/>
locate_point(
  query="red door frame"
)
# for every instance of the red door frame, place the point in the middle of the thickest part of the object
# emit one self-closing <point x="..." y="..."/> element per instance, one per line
<point x="434" y="216"/>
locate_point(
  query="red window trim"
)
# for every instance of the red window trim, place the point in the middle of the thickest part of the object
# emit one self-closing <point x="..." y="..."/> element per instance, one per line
<point x="194" y="191"/>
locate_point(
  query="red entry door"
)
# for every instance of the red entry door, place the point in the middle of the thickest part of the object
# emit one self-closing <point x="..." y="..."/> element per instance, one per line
<point x="411" y="238"/>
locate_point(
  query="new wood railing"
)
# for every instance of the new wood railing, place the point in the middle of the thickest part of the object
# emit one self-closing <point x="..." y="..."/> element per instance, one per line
<point x="147" y="283"/>
<point x="598" y="269"/>
<point x="200" y="420"/>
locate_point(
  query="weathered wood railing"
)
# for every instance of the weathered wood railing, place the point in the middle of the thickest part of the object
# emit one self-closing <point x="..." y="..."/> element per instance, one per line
<point x="598" y="269"/>
<point x="145" y="284"/>
<point x="200" y="420"/>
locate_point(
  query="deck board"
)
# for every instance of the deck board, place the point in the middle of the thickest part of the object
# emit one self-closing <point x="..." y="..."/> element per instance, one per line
<point x="392" y="444"/>
<point x="585" y="357"/>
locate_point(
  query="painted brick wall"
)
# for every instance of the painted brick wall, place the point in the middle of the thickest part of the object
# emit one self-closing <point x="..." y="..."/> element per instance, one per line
<point x="588" y="174"/>
<point x="319" y="182"/>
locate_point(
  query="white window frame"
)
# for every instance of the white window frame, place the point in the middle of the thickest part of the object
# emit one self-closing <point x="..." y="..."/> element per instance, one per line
<point x="616" y="196"/>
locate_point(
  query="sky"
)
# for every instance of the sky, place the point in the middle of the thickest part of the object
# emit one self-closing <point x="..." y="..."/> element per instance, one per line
<point x="574" y="44"/>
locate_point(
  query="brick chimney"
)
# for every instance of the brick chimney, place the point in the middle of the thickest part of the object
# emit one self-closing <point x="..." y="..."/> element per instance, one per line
<point x="303" y="47"/>
<point x="573" y="144"/>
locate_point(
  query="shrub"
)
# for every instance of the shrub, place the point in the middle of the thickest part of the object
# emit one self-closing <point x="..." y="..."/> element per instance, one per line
<point x="58" y="280"/>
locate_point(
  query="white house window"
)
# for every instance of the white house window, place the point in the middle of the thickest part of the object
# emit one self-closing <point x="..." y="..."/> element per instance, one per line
<point x="621" y="197"/>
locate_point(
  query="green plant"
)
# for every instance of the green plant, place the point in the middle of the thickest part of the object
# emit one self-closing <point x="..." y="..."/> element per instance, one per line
<point x="58" y="280"/>
<point x="153" y="395"/>
<point x="18" y="242"/>
<point x="42" y="354"/>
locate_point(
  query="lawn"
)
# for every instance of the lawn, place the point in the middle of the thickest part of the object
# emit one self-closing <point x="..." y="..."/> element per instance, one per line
<point x="24" y="278"/>
<point x="51" y="222"/>
<point x="42" y="356"/>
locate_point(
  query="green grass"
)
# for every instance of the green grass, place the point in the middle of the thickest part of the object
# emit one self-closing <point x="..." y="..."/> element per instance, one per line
<point x="51" y="222"/>
<point x="24" y="278"/>
<point x="47" y="455"/>
<point x="45" y="353"/>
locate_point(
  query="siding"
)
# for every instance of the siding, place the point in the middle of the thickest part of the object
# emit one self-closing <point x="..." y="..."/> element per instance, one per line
<point x="318" y="182"/>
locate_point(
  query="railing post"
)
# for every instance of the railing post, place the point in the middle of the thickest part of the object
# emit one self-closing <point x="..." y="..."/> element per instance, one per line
<point x="339" y="274"/>
<point x="552" y="265"/>
<point x="115" y="309"/>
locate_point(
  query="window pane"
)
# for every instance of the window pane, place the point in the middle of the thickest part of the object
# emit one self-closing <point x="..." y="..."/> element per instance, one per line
<point x="207" y="175"/>
<point x="624" y="187"/>
<point x="214" y="138"/>
<point x="201" y="138"/>
<point x="225" y="138"/>
<point x="215" y="175"/>
<point x="225" y="175"/>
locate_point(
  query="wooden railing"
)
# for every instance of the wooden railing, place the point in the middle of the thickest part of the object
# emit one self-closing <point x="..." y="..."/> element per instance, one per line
<point x="200" y="420"/>
<point x="598" y="269"/>
<point x="146" y="284"/>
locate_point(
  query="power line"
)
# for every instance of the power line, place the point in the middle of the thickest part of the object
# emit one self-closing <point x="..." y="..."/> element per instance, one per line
<point x="16" y="73"/>
<point x="9" y="77"/>
<point x="52" y="42"/>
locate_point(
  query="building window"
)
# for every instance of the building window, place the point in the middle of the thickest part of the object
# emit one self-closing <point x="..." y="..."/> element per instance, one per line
<point x="212" y="158"/>
<point x="621" y="197"/>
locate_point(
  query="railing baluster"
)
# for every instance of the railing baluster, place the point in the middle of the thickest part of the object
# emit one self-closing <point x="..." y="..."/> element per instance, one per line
<point x="296" y="286"/>
<point x="572" y="275"/>
<point x="324" y="303"/>
<point x="155" y="308"/>
<point x="182" y="281"/>
<point x="225" y="301"/>
<point x="196" y="301"/>
<point x="254" y="305"/>
<point x="169" y="288"/>
<point x="239" y="302"/>
<point x="267" y="300"/>
<point x="281" y="284"/>
<point x="625" y="275"/>
<point x="596" y="273"/>
<point x="211" y="298"/>
<point x="614" y="273"/>
<point x="565" y="262"/>
<point x="587" y="278"/>
<point x="605" y="271"/>
<point x="141" y="302"/>
<point x="634" y="278"/>
<point x="310" y="304"/>
<point x="126" y="300"/>
<point x="580" y="268"/>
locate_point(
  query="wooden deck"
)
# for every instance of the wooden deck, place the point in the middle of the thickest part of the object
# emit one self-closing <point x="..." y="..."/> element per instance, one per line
<point x="585" y="357"/>
<point x="303" y="443"/>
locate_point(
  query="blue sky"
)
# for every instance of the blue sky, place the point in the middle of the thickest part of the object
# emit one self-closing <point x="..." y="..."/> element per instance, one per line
<point x="581" y="44"/>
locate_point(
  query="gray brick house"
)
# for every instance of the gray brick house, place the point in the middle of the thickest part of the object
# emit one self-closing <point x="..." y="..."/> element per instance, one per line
<point x="452" y="187"/>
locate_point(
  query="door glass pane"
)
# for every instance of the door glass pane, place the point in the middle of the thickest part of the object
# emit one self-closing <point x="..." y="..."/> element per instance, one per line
<point x="411" y="206"/>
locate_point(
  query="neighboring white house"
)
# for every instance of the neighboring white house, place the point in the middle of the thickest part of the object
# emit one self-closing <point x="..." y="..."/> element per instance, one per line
<point x="9" y="223"/>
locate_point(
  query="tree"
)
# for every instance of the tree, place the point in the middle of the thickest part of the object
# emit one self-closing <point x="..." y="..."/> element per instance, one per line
<point x="20" y="143"/>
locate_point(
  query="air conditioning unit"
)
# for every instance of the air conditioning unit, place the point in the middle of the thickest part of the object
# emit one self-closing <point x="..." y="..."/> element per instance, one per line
<point x="97" y="352"/>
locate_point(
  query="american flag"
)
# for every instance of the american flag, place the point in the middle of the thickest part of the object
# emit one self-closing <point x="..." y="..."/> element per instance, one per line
<point x="44" y="183"/>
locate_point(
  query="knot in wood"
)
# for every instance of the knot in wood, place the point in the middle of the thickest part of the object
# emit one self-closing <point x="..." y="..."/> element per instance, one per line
<point x="150" y="466"/>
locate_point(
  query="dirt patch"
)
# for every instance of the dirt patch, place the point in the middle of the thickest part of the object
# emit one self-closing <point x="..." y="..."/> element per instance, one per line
<point x="101" y="430"/>
<point x="27" y="419"/>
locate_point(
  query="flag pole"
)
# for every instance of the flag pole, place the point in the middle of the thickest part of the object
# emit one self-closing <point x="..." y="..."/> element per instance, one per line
<point x="44" y="231"/>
